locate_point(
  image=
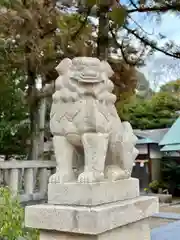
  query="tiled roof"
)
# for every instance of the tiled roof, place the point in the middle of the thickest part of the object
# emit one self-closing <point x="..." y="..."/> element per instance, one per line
<point x="150" y="136"/>
<point x="171" y="148"/>
<point x="173" y="135"/>
<point x="144" y="141"/>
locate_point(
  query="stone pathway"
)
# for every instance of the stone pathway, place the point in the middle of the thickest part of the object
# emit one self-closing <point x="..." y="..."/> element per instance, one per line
<point x="170" y="208"/>
<point x="167" y="215"/>
<point x="170" y="231"/>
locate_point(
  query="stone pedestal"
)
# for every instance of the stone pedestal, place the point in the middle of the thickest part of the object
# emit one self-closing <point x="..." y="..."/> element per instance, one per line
<point x="135" y="231"/>
<point x="78" y="194"/>
<point x="107" y="210"/>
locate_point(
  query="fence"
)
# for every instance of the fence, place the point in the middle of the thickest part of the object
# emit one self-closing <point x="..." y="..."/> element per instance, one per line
<point x="28" y="179"/>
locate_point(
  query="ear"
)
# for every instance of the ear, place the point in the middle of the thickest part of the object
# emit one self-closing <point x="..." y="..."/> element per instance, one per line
<point x="64" y="66"/>
<point x="107" y="68"/>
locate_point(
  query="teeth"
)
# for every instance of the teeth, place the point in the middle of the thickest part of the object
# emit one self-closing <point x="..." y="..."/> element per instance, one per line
<point x="89" y="75"/>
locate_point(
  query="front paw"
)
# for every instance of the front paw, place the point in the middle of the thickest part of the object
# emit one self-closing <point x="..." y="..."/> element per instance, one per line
<point x="114" y="173"/>
<point x="61" y="178"/>
<point x="90" y="177"/>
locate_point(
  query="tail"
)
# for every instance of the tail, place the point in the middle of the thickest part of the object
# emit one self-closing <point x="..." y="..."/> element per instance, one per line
<point x="128" y="149"/>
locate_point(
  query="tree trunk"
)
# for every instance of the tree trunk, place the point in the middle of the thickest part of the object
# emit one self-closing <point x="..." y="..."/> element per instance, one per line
<point x="33" y="153"/>
<point x="33" y="112"/>
<point x="42" y="115"/>
<point x="102" y="41"/>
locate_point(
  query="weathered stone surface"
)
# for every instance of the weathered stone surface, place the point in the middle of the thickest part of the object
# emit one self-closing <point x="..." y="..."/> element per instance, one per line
<point x="90" y="220"/>
<point x="99" y="200"/>
<point x="94" y="193"/>
<point x="134" y="231"/>
<point x="84" y="120"/>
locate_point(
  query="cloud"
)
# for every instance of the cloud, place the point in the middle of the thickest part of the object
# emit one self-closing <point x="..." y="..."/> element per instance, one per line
<point x="161" y="68"/>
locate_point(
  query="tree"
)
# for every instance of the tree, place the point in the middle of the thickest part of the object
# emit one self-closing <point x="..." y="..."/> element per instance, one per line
<point x="157" y="112"/>
<point x="14" y="131"/>
<point x="122" y="21"/>
<point x="35" y="35"/>
<point x="172" y="87"/>
<point x="30" y="41"/>
<point x="118" y="30"/>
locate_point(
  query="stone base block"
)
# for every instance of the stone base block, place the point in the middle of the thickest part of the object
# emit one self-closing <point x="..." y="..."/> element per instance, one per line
<point x="90" y="220"/>
<point x="92" y="194"/>
<point x="134" y="231"/>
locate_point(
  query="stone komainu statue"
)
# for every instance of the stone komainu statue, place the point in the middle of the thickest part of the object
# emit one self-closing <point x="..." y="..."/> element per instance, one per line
<point x="84" y="121"/>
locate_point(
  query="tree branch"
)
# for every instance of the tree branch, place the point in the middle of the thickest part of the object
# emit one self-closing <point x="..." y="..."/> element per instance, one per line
<point x="139" y="26"/>
<point x="127" y="61"/>
<point x="82" y="25"/>
<point x="48" y="32"/>
<point x="151" y="44"/>
<point x="155" y="8"/>
<point x="75" y="35"/>
<point x="133" y="3"/>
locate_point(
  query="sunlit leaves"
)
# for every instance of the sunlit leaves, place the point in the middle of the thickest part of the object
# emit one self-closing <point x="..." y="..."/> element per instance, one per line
<point x="172" y="87"/>
<point x="124" y="80"/>
<point x="12" y="218"/>
<point x="43" y="33"/>
<point x="13" y="134"/>
<point x="5" y="3"/>
<point x="91" y="2"/>
<point x="118" y="15"/>
<point x="157" y="112"/>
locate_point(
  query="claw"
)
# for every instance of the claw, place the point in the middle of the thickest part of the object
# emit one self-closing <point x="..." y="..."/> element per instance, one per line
<point x="90" y="177"/>
<point x="61" y="178"/>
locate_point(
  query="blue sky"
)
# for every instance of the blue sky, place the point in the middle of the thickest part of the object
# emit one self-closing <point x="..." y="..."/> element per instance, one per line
<point x="161" y="68"/>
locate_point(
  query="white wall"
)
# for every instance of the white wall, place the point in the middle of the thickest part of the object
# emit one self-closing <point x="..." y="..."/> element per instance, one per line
<point x="156" y="169"/>
<point x="155" y="156"/>
<point x="155" y="152"/>
<point x="142" y="148"/>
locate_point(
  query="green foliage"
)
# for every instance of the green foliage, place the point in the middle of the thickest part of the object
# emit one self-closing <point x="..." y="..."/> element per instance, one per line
<point x="172" y="87"/>
<point x="12" y="219"/>
<point x="171" y="174"/>
<point x="164" y="101"/>
<point x="13" y="110"/>
<point x="171" y="170"/>
<point x="91" y="2"/>
<point x="157" y="112"/>
<point x="146" y="190"/>
<point x="11" y="216"/>
<point x="156" y="185"/>
<point x="118" y="15"/>
<point x="35" y="36"/>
